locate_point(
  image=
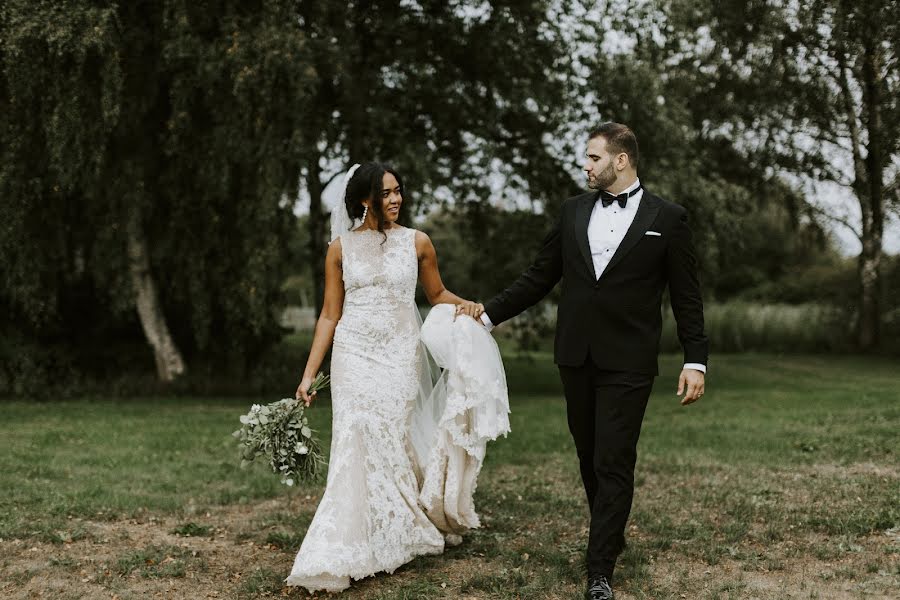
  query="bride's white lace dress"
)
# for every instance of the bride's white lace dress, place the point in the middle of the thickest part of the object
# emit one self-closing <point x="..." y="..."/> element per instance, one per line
<point x="371" y="517"/>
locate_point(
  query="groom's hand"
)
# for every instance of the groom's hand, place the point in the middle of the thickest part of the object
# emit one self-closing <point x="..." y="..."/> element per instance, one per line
<point x="472" y="309"/>
<point x="691" y="383"/>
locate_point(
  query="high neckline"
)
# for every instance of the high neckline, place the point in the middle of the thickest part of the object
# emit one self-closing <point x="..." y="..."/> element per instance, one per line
<point x="376" y="231"/>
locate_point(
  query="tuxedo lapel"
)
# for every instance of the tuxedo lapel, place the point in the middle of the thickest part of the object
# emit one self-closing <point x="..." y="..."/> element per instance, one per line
<point x="646" y="213"/>
<point x="582" y="219"/>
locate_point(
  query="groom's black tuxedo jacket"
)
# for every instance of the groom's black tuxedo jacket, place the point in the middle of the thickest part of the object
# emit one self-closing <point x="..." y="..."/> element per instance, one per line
<point x="617" y="318"/>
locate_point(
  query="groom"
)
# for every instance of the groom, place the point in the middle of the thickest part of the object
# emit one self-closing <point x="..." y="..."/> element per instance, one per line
<point x="615" y="248"/>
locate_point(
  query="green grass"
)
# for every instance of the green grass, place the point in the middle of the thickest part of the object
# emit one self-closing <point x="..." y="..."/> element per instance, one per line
<point x="100" y="459"/>
<point x="154" y="562"/>
<point x="788" y="467"/>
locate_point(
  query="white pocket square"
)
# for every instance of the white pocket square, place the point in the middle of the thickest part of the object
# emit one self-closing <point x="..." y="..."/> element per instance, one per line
<point x="653" y="233"/>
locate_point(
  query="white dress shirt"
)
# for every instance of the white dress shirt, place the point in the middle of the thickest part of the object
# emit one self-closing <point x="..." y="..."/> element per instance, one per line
<point x="608" y="225"/>
<point x="606" y="229"/>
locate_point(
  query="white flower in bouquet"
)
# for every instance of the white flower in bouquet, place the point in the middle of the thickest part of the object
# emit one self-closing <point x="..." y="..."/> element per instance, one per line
<point x="280" y="432"/>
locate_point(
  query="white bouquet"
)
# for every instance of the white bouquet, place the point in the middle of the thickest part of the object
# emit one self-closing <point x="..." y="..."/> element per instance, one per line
<point x="280" y="431"/>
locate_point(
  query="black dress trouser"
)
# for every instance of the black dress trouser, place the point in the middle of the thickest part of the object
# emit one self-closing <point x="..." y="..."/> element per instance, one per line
<point x="605" y="410"/>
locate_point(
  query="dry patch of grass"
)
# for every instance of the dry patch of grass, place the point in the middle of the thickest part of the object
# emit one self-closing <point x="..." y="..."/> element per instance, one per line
<point x="540" y="557"/>
<point x="145" y="558"/>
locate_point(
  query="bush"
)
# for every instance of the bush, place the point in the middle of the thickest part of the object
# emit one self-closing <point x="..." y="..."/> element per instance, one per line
<point x="744" y="326"/>
<point x="58" y="371"/>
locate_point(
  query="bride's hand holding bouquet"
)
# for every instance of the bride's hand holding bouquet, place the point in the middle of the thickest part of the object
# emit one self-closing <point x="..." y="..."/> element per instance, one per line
<point x="280" y="432"/>
<point x="309" y="386"/>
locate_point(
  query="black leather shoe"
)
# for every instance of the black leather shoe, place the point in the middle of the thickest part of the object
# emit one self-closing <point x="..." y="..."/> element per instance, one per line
<point x="598" y="589"/>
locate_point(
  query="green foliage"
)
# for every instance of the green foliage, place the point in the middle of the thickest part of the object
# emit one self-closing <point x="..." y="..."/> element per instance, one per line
<point x="809" y="90"/>
<point x="399" y="82"/>
<point x="810" y="310"/>
<point x="185" y="117"/>
<point x="238" y="84"/>
<point x="196" y="121"/>
<point x="408" y="84"/>
<point x="830" y="280"/>
<point x="61" y="84"/>
<point x="481" y="246"/>
<point x="749" y="226"/>
<point x="741" y="326"/>
<point x="279" y="433"/>
<point x="200" y="121"/>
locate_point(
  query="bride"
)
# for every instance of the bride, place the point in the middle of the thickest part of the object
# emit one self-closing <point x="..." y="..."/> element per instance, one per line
<point x="405" y="451"/>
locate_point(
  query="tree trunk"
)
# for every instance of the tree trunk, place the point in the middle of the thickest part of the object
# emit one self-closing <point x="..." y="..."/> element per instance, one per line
<point x="317" y="246"/>
<point x="869" y="328"/>
<point x="872" y="205"/>
<point x="169" y="363"/>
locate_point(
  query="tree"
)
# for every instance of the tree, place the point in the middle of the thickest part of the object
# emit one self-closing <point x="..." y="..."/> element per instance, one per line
<point x="813" y="88"/>
<point x="644" y="64"/>
<point x="148" y="151"/>
<point x="450" y="93"/>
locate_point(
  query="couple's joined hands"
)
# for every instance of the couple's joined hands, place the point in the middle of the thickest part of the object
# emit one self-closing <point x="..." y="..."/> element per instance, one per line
<point x="472" y="309"/>
<point x="691" y="382"/>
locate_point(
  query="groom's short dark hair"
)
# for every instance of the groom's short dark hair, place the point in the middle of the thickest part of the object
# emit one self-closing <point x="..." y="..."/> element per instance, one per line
<point x="619" y="138"/>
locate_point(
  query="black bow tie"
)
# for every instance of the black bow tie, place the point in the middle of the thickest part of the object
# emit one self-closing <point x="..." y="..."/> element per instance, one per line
<point x="606" y="198"/>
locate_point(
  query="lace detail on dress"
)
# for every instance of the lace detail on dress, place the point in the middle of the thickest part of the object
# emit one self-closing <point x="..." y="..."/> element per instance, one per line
<point x="370" y="519"/>
<point x="475" y="409"/>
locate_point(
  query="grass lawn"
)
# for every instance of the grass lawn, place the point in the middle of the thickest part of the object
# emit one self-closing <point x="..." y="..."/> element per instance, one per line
<point x="783" y="482"/>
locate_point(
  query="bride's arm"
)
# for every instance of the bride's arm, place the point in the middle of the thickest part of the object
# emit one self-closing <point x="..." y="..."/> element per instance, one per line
<point x="430" y="278"/>
<point x="332" y="308"/>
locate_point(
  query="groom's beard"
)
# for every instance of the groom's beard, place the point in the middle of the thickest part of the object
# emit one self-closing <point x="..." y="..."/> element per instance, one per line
<point x="604" y="179"/>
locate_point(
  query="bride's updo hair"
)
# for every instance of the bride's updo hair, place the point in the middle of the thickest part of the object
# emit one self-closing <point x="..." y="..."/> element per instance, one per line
<point x="367" y="184"/>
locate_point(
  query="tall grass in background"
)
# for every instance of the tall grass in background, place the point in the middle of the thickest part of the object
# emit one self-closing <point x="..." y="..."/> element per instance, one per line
<point x="732" y="327"/>
<point x="748" y="326"/>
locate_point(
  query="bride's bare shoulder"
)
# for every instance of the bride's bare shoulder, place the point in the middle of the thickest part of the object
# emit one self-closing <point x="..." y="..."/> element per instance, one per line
<point x="421" y="237"/>
<point x="423" y="244"/>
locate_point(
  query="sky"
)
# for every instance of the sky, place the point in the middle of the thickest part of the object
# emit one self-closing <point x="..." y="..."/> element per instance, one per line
<point x="837" y="201"/>
<point x="849" y="245"/>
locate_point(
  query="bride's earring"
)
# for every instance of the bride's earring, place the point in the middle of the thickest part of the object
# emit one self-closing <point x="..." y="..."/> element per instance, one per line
<point x="365" y="212"/>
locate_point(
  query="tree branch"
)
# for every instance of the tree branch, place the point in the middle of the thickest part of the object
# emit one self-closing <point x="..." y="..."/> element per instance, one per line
<point x="331" y="178"/>
<point x="840" y="220"/>
<point x="859" y="165"/>
<point x="835" y="140"/>
<point x="834" y="177"/>
<point x="893" y="188"/>
<point x="834" y="75"/>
